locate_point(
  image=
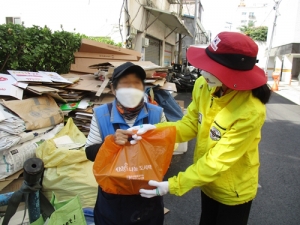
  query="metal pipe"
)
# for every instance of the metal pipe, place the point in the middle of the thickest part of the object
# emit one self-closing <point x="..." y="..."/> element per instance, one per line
<point x="33" y="170"/>
<point x="29" y="191"/>
<point x="4" y="198"/>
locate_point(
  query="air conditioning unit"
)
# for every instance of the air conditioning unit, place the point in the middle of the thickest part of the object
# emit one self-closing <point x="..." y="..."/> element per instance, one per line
<point x="145" y="42"/>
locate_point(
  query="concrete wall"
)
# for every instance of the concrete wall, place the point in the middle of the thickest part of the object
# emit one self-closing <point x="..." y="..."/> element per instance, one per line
<point x="287" y="28"/>
<point x="144" y="19"/>
<point x="286" y="72"/>
<point x="262" y="46"/>
<point x="157" y="29"/>
<point x="287" y="31"/>
<point x="187" y="41"/>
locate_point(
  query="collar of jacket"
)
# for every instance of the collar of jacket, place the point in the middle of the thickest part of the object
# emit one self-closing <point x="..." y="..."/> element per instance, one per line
<point x="225" y="99"/>
<point x="116" y="117"/>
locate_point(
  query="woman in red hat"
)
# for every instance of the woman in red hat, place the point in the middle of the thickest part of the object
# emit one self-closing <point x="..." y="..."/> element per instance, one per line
<point x="226" y="116"/>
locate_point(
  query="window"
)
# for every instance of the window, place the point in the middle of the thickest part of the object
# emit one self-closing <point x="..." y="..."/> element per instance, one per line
<point x="14" y="20"/>
<point x="244" y="13"/>
<point x="243" y="21"/>
<point x="251" y="15"/>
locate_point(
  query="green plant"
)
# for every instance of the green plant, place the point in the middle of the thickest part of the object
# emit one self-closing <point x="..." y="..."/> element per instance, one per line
<point x="256" y="33"/>
<point x="38" y="48"/>
<point x="106" y="40"/>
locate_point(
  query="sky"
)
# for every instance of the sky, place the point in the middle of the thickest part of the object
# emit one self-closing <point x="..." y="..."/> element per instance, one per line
<point x="91" y="18"/>
<point x="218" y="13"/>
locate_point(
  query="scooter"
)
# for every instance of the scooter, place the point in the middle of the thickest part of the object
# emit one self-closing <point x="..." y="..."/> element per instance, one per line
<point x="185" y="82"/>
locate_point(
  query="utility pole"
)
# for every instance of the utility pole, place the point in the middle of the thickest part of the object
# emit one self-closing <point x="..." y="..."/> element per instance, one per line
<point x="272" y="34"/>
<point x="195" y="21"/>
<point x="179" y="58"/>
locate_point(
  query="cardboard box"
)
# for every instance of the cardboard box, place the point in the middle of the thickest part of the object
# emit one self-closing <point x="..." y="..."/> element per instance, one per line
<point x="11" y="183"/>
<point x="154" y="82"/>
<point x="87" y="83"/>
<point x="104" y="98"/>
<point x="82" y="69"/>
<point x="40" y="89"/>
<point x="98" y="47"/>
<point x="148" y="66"/>
<point x="72" y="77"/>
<point x="36" y="112"/>
<point x="29" y="76"/>
<point x="13" y="186"/>
<point x="149" y="73"/>
<point x="87" y="62"/>
<point x="55" y="77"/>
<point x="108" y="57"/>
<point x="8" y="88"/>
<point x="169" y="86"/>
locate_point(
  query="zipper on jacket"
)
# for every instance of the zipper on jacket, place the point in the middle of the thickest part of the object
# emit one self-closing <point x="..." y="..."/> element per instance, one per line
<point x="211" y="102"/>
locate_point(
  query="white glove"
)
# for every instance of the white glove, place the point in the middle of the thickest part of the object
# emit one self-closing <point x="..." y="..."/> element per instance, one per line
<point x="162" y="188"/>
<point x="141" y="129"/>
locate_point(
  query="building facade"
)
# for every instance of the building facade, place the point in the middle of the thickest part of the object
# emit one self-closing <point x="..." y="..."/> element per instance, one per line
<point x="151" y="27"/>
<point x="284" y="41"/>
<point x="252" y="13"/>
<point x="192" y="13"/>
<point x="281" y="52"/>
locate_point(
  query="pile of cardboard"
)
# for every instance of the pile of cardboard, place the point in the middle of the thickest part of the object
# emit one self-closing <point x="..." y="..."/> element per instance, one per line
<point x="86" y="85"/>
<point x="93" y="52"/>
<point x="100" y="59"/>
<point x="78" y="92"/>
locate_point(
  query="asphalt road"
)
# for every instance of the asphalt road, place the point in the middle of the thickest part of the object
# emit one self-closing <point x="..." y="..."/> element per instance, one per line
<point x="278" y="198"/>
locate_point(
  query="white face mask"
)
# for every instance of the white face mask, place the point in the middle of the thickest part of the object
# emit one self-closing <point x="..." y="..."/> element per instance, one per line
<point x="211" y="80"/>
<point x="129" y="97"/>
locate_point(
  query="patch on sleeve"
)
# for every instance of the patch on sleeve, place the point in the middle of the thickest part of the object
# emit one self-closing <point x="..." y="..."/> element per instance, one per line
<point x="215" y="134"/>
<point x="200" y="118"/>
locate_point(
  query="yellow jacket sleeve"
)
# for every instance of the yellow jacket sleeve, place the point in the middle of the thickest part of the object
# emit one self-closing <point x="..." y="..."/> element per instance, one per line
<point x="228" y="151"/>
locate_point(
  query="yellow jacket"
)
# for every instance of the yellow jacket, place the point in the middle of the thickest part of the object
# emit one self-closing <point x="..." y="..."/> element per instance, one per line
<point x="226" y="158"/>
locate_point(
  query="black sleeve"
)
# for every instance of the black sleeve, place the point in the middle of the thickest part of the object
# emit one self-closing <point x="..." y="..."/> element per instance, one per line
<point x="91" y="151"/>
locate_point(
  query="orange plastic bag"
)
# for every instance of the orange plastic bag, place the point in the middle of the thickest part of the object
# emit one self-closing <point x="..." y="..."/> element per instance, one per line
<point x="126" y="169"/>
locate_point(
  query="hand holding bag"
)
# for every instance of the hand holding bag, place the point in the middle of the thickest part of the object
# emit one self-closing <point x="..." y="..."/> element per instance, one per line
<point x="126" y="169"/>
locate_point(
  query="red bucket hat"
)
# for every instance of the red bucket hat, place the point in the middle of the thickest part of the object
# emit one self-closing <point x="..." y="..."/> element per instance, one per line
<point x="231" y="57"/>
